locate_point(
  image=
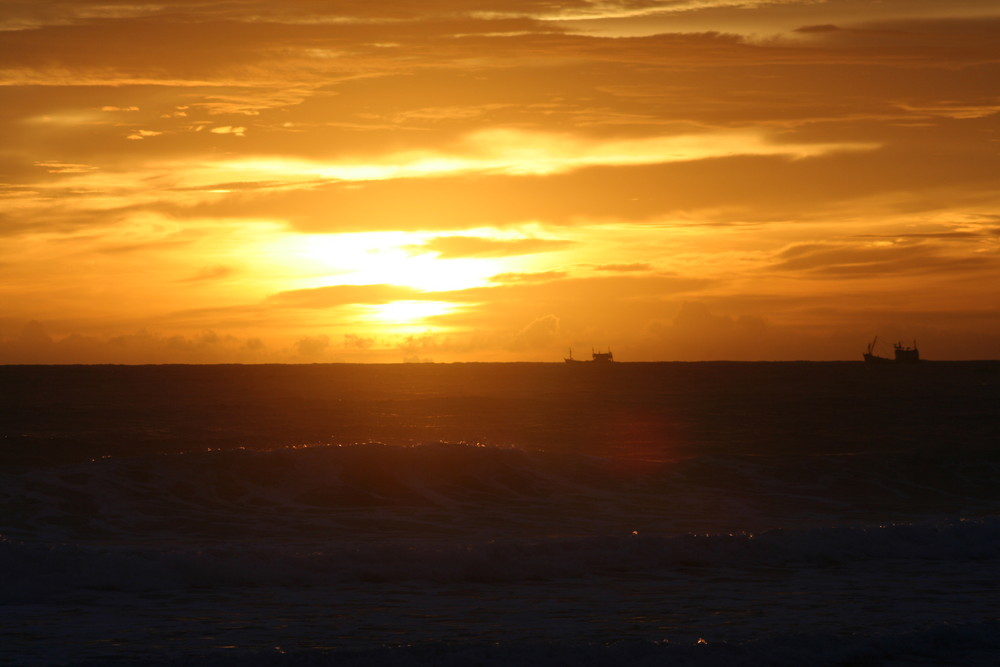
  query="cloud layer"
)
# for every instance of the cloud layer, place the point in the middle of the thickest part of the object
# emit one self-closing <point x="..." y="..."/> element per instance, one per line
<point x="307" y="181"/>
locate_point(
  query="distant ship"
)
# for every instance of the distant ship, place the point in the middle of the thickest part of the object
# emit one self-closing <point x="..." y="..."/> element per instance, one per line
<point x="596" y="357"/>
<point x="901" y="354"/>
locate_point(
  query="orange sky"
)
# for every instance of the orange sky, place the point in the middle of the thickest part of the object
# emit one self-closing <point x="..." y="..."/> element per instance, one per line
<point x="309" y="181"/>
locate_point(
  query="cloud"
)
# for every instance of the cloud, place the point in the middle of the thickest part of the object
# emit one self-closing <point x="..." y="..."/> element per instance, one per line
<point x="359" y="342"/>
<point x="65" y="167"/>
<point x="314" y="347"/>
<point x="517" y="152"/>
<point x="826" y="27"/>
<point x="475" y="246"/>
<point x="209" y="273"/>
<point x="539" y="334"/>
<point x="624" y="268"/>
<point x="143" y="134"/>
<point x="229" y="129"/>
<point x="620" y="303"/>
<point x="698" y="333"/>
<point x="340" y="295"/>
<point x="589" y="290"/>
<point x="33" y="344"/>
<point x="842" y="260"/>
<point x="533" y="277"/>
<point x="737" y="187"/>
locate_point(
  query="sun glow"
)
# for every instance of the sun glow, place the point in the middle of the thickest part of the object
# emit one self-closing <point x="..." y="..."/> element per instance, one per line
<point x="409" y="312"/>
<point x="383" y="258"/>
<point x="425" y="272"/>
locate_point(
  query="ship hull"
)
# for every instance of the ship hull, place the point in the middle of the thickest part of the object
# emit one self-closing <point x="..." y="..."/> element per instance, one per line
<point x="873" y="359"/>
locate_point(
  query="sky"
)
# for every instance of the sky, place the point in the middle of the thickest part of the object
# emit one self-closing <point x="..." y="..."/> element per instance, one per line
<point x="208" y="181"/>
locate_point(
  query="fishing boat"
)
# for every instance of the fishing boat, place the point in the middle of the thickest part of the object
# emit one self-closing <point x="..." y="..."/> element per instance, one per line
<point x="595" y="357"/>
<point x="901" y="354"/>
<point x="602" y="357"/>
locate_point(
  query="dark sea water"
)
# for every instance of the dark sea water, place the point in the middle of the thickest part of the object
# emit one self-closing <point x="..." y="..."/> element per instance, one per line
<point x="493" y="514"/>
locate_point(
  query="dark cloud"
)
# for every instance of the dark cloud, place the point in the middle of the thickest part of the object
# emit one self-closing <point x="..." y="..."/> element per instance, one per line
<point x="536" y="277"/>
<point x="624" y="268"/>
<point x="954" y="235"/>
<point x="835" y="260"/>
<point x="826" y="27"/>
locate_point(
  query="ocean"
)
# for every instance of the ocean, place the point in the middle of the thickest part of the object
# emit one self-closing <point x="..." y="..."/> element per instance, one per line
<point x="709" y="513"/>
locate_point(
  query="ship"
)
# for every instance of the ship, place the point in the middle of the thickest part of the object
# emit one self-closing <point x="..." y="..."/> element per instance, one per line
<point x="595" y="357"/>
<point x="901" y="354"/>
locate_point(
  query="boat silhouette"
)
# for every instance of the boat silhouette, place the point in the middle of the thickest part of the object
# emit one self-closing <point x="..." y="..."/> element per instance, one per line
<point x="595" y="357"/>
<point x="901" y="354"/>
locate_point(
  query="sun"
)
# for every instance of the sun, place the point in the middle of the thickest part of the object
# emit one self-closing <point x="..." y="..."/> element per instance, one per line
<point x="435" y="285"/>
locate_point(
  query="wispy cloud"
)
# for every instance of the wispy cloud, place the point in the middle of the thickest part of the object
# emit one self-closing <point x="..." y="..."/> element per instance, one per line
<point x="476" y="246"/>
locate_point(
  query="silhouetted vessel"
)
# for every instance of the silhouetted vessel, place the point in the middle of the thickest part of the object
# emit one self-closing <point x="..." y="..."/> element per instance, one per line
<point x="602" y="357"/>
<point x="596" y="357"/>
<point x="901" y="354"/>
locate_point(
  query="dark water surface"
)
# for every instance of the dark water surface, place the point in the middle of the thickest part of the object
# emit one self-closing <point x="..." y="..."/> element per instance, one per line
<point x="667" y="513"/>
<point x="60" y="414"/>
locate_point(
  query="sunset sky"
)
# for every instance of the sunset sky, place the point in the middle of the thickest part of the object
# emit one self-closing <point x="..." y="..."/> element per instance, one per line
<point x="207" y="181"/>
